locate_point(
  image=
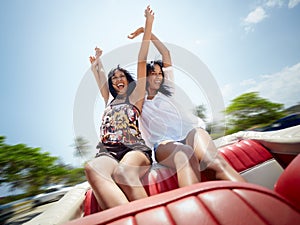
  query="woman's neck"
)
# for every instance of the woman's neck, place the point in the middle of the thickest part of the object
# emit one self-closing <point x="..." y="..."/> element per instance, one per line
<point x="151" y="93"/>
<point x="121" y="96"/>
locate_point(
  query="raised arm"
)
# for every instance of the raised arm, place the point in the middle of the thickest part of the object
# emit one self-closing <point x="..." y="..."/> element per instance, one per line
<point x="137" y="97"/>
<point x="99" y="74"/>
<point x="163" y="50"/>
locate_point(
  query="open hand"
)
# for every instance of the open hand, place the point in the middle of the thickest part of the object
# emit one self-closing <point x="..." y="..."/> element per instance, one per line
<point x="98" y="53"/>
<point x="149" y="14"/>
<point x="136" y="33"/>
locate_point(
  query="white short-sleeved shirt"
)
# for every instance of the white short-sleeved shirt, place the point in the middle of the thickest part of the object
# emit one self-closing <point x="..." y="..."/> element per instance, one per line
<point x="163" y="118"/>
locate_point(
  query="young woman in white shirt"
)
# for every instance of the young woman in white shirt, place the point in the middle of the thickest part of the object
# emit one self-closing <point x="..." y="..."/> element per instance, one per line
<point x="179" y="139"/>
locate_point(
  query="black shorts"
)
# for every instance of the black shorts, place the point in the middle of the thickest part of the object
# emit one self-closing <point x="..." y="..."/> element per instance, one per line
<point x="118" y="151"/>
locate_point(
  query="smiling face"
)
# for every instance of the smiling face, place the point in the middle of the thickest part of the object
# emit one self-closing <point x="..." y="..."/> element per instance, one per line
<point x="119" y="82"/>
<point x="154" y="79"/>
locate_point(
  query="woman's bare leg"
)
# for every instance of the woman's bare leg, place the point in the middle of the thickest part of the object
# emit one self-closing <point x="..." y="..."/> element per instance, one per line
<point x="99" y="174"/>
<point x="128" y="173"/>
<point x="207" y="154"/>
<point x="180" y="157"/>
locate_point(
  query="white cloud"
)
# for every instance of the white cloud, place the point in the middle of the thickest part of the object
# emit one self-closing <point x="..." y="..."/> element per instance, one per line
<point x="248" y="82"/>
<point x="254" y="17"/>
<point x="281" y="87"/>
<point x="248" y="28"/>
<point x="231" y="91"/>
<point x="259" y="13"/>
<point x="227" y="90"/>
<point x="293" y="3"/>
<point x="280" y="3"/>
<point x="274" y="3"/>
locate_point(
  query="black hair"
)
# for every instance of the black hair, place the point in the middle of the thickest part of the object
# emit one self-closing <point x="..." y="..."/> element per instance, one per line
<point x="129" y="77"/>
<point x="164" y="89"/>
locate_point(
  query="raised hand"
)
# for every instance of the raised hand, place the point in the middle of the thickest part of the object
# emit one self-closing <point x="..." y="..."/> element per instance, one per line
<point x="149" y="14"/>
<point x="136" y="33"/>
<point x="92" y="59"/>
<point x="95" y="59"/>
<point x="98" y="53"/>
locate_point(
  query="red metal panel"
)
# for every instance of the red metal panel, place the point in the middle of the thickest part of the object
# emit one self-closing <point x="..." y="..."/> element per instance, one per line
<point x="191" y="211"/>
<point x="214" y="202"/>
<point x="269" y="208"/>
<point x="288" y="184"/>
<point x="245" y="154"/>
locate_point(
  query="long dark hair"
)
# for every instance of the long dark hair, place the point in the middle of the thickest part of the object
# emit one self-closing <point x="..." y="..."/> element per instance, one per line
<point x="129" y="77"/>
<point x="164" y="89"/>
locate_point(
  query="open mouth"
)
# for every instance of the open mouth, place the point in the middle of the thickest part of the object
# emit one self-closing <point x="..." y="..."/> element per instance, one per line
<point x="157" y="82"/>
<point x="120" y="85"/>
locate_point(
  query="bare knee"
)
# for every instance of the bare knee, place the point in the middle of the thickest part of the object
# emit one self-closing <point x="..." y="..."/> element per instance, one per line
<point x="199" y="130"/>
<point x="92" y="175"/>
<point x="88" y="169"/>
<point x="218" y="163"/>
<point x="119" y="174"/>
<point x="196" y="133"/>
<point x="184" y="155"/>
<point x="124" y="174"/>
<point x="95" y="174"/>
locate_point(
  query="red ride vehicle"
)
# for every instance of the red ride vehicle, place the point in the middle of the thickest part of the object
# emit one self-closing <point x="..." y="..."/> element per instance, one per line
<point x="269" y="161"/>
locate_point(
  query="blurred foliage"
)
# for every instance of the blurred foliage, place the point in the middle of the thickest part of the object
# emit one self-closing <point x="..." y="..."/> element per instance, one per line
<point x="200" y="111"/>
<point x="32" y="170"/>
<point x="12" y="198"/>
<point x="249" y="110"/>
<point x="215" y="129"/>
<point x="81" y="147"/>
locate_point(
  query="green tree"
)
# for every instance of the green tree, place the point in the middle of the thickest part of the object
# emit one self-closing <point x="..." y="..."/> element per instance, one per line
<point x="248" y="110"/>
<point x="215" y="129"/>
<point x="75" y="176"/>
<point x="81" y="148"/>
<point x="27" y="168"/>
<point x="200" y="111"/>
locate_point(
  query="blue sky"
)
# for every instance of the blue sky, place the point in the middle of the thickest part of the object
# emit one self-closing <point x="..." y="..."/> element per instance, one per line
<point x="45" y="45"/>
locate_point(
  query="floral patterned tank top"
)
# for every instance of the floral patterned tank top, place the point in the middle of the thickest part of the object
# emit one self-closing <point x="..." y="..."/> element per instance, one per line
<point x="120" y="124"/>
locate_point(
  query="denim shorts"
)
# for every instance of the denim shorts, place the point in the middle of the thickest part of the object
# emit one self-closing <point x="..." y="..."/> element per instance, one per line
<point x="157" y="144"/>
